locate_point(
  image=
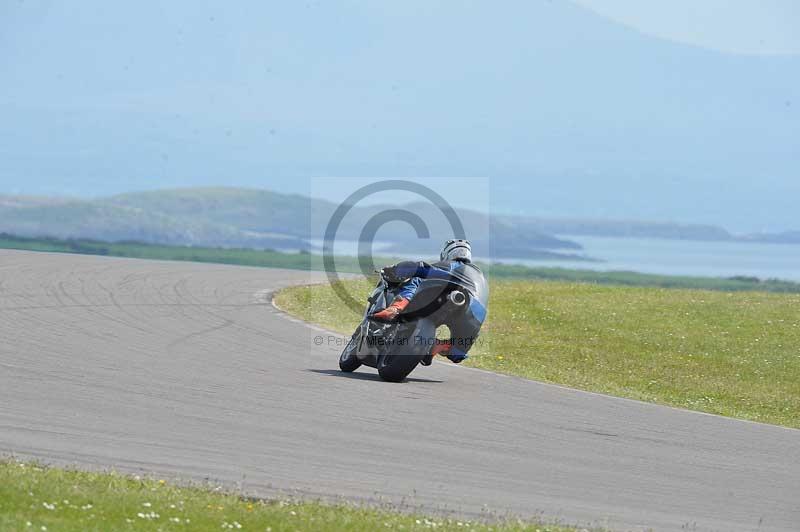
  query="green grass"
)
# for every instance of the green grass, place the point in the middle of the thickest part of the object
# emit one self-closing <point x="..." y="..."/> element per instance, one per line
<point x="731" y="353"/>
<point x="34" y="498"/>
<point x="305" y="261"/>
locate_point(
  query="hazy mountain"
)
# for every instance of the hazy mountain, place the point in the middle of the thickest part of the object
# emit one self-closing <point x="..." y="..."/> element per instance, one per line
<point x="250" y="210"/>
<point x="569" y="114"/>
<point x="623" y="228"/>
<point x="103" y="220"/>
<point x="262" y="211"/>
<point x="788" y="237"/>
<point x="257" y="218"/>
<point x="235" y="217"/>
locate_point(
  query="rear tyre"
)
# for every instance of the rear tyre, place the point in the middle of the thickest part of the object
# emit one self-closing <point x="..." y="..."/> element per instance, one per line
<point x="347" y="360"/>
<point x="395" y="368"/>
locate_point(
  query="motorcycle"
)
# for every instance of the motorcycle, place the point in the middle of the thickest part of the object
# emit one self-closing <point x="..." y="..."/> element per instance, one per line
<point x="457" y="299"/>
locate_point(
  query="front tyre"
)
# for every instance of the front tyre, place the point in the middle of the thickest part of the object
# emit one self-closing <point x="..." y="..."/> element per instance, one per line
<point x="348" y="361"/>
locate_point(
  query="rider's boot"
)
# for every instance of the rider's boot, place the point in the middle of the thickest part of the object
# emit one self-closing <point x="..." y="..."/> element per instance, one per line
<point x="441" y="347"/>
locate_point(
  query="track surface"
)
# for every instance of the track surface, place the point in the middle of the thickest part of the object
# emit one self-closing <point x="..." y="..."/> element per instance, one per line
<point x="187" y="370"/>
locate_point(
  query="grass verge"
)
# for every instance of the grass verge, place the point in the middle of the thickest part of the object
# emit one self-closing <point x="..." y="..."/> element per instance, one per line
<point x="33" y="497"/>
<point x="734" y="354"/>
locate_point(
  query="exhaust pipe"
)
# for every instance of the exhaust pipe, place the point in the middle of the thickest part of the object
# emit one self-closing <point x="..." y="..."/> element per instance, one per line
<point x="457" y="298"/>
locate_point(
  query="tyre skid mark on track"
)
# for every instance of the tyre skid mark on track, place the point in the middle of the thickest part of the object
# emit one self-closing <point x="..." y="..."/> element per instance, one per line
<point x="194" y="335"/>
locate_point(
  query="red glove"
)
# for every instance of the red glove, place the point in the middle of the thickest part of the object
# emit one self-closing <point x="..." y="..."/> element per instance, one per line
<point x="391" y="312"/>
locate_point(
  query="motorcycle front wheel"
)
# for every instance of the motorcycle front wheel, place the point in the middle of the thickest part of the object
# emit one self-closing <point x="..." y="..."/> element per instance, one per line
<point x="348" y="361"/>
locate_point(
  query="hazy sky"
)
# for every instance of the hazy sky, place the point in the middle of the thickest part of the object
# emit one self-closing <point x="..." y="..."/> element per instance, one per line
<point x="666" y="110"/>
<point x="738" y="26"/>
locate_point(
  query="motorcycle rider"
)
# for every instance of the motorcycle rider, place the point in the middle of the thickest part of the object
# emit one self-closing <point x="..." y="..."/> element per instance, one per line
<point x="455" y="261"/>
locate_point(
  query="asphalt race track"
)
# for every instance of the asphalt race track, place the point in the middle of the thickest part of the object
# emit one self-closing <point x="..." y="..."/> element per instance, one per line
<point x="187" y="370"/>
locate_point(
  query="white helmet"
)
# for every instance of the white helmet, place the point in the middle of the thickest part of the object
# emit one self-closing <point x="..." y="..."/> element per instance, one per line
<point x="457" y="249"/>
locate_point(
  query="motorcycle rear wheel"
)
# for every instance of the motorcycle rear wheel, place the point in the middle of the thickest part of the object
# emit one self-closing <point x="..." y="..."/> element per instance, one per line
<point x="395" y="368"/>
